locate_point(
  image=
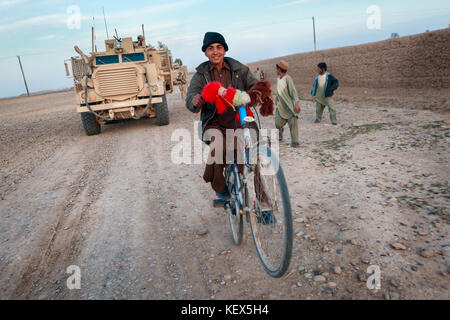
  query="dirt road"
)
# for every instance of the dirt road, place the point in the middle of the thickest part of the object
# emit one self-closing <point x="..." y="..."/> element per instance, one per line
<point x="140" y="227"/>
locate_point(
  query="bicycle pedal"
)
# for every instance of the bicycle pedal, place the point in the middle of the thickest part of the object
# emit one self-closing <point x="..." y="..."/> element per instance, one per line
<point x="219" y="203"/>
<point x="267" y="218"/>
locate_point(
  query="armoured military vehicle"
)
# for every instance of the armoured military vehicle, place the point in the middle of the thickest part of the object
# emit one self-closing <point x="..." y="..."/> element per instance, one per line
<point x="130" y="79"/>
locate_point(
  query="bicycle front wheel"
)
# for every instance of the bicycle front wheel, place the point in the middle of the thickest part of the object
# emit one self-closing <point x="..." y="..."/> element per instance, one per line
<point x="270" y="212"/>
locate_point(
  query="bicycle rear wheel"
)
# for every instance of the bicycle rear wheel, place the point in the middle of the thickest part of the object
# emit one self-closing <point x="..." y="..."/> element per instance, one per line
<point x="233" y="208"/>
<point x="270" y="212"/>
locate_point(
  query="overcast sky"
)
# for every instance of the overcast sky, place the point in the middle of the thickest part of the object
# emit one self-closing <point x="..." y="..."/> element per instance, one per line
<point x="44" y="32"/>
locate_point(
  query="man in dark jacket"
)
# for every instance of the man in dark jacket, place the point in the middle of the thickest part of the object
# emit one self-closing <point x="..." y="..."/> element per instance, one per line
<point x="323" y="89"/>
<point x="229" y="72"/>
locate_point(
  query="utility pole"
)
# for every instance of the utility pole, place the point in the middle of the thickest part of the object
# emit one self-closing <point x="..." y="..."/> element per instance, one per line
<point x="314" y="33"/>
<point x="23" y="75"/>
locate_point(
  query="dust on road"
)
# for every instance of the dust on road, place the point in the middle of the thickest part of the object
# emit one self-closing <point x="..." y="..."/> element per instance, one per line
<point x="116" y="206"/>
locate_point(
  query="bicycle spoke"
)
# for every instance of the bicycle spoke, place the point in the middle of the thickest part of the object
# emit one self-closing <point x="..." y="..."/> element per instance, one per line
<point x="234" y="217"/>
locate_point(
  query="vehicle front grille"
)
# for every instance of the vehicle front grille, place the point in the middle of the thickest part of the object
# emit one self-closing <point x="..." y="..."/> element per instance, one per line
<point x="117" y="82"/>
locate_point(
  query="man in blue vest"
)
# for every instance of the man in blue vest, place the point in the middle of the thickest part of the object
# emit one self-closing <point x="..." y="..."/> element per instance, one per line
<point x="323" y="89"/>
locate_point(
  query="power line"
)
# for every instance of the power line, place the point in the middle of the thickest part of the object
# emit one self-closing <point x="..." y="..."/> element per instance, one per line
<point x="252" y="26"/>
<point x="33" y="54"/>
<point x="7" y="57"/>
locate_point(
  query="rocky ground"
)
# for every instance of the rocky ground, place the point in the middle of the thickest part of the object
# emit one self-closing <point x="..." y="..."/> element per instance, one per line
<point x="373" y="190"/>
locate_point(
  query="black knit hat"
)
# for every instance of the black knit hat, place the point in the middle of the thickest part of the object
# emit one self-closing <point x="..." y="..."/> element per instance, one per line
<point x="213" y="37"/>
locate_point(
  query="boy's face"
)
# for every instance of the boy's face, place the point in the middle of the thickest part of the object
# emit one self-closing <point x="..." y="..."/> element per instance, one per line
<point x="320" y="71"/>
<point x="279" y="73"/>
<point x="215" y="53"/>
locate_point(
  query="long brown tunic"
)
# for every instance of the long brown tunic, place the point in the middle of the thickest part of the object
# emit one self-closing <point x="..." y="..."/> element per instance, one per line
<point x="214" y="172"/>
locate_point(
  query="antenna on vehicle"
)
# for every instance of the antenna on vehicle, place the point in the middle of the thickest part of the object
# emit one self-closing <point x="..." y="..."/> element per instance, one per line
<point x="95" y="38"/>
<point x="106" y="26"/>
<point x="118" y="46"/>
<point x="143" y="35"/>
<point x="93" y="46"/>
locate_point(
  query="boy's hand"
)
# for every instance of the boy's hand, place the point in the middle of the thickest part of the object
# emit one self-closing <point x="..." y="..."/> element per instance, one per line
<point x="297" y="107"/>
<point x="197" y="101"/>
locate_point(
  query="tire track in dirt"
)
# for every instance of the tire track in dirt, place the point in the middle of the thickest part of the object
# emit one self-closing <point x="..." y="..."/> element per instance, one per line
<point x="26" y="142"/>
<point x="132" y="247"/>
<point x="59" y="237"/>
<point x="184" y="261"/>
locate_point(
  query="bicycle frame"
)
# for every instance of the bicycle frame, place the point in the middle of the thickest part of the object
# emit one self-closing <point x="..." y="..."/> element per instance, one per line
<point x="247" y="146"/>
<point x="247" y="139"/>
<point x="239" y="201"/>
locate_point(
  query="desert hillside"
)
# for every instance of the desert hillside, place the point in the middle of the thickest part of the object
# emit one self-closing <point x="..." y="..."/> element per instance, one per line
<point x="412" y="71"/>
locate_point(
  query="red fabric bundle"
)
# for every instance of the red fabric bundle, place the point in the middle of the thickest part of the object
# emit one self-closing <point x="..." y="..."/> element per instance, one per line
<point x="210" y="94"/>
<point x="210" y="91"/>
<point x="261" y="94"/>
<point x="229" y="96"/>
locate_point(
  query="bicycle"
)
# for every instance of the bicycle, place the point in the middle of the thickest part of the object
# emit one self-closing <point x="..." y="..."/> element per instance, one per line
<point x="269" y="217"/>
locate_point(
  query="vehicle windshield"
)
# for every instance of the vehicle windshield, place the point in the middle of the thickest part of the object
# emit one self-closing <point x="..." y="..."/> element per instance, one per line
<point x="133" y="57"/>
<point x="107" y="59"/>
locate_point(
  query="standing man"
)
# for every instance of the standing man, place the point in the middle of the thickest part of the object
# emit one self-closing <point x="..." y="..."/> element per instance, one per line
<point x="258" y="74"/>
<point x="229" y="72"/>
<point x="288" y="104"/>
<point x="323" y="89"/>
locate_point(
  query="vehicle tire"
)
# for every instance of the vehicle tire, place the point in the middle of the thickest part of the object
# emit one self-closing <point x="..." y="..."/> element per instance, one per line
<point x="162" y="112"/>
<point x="91" y="126"/>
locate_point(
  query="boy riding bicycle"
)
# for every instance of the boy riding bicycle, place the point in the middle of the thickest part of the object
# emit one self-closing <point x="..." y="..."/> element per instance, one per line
<point x="229" y="73"/>
<point x="223" y="89"/>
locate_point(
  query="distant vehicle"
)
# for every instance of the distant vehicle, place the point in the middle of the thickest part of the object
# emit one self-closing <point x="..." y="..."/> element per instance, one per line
<point x="129" y="80"/>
